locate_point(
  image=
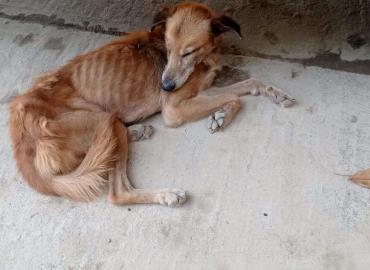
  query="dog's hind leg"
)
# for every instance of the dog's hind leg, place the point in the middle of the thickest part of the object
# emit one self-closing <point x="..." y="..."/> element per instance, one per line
<point x="120" y="189"/>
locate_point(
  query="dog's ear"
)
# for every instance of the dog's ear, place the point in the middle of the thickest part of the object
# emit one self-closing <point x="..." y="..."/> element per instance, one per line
<point x="223" y="23"/>
<point x="161" y="17"/>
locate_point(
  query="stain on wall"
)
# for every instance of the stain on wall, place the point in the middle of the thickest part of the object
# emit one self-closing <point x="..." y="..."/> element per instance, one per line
<point x="22" y="40"/>
<point x="54" y="44"/>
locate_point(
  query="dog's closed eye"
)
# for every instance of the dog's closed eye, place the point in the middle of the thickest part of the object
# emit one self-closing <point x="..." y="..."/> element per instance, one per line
<point x="191" y="52"/>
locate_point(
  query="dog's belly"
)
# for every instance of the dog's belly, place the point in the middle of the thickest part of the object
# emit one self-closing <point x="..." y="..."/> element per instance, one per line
<point x="139" y="110"/>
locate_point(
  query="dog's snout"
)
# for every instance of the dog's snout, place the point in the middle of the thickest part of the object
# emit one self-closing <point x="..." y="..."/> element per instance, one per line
<point x="168" y="84"/>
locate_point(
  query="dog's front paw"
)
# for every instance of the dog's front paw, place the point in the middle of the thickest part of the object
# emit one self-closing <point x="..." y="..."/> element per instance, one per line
<point x="280" y="97"/>
<point x="172" y="197"/>
<point x="140" y="132"/>
<point x="216" y="121"/>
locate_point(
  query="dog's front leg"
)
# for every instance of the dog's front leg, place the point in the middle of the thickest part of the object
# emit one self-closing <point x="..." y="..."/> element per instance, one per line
<point x="192" y="109"/>
<point x="255" y="87"/>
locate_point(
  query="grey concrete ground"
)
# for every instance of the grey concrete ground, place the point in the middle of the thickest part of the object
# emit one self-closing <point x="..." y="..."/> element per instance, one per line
<point x="264" y="194"/>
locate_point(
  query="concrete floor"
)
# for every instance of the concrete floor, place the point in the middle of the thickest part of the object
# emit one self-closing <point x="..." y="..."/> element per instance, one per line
<point x="264" y="194"/>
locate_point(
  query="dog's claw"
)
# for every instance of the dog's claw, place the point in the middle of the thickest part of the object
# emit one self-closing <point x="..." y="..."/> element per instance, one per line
<point x="220" y="122"/>
<point x="216" y="121"/>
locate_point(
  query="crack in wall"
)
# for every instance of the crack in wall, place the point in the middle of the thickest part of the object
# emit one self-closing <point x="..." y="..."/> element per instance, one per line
<point x="60" y="23"/>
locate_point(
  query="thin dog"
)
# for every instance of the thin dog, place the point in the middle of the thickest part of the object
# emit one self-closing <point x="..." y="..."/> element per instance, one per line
<point x="69" y="130"/>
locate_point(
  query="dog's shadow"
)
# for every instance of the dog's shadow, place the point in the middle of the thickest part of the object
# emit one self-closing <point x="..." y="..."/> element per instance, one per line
<point x="230" y="75"/>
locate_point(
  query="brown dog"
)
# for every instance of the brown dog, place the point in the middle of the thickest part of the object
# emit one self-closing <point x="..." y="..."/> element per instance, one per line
<point x="68" y="142"/>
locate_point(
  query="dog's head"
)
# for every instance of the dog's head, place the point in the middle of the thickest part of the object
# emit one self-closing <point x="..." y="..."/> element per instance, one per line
<point x="191" y="30"/>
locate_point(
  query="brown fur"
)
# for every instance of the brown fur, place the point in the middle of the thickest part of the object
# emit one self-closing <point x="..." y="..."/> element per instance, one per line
<point x="68" y="131"/>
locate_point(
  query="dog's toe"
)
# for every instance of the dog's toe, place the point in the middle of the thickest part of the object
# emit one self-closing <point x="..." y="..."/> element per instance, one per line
<point x="216" y="121"/>
<point x="140" y="132"/>
<point x="148" y="131"/>
<point x="173" y="197"/>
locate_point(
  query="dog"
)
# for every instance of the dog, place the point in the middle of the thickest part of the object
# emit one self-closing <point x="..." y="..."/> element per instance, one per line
<point x="70" y="131"/>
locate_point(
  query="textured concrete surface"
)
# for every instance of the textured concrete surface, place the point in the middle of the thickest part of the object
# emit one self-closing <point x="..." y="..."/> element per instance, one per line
<point x="264" y="194"/>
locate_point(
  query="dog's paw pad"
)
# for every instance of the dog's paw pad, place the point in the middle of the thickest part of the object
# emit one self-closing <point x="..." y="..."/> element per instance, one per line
<point x="280" y="97"/>
<point x="173" y="197"/>
<point x="216" y="120"/>
<point x="140" y="132"/>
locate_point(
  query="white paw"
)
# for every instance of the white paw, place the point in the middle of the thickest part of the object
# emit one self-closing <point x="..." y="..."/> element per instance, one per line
<point x="173" y="197"/>
<point x="140" y="132"/>
<point x="216" y="120"/>
<point x="280" y="97"/>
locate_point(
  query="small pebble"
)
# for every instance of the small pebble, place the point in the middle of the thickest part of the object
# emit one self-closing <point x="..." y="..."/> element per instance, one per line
<point x="309" y="109"/>
<point x="265" y="214"/>
<point x="354" y="119"/>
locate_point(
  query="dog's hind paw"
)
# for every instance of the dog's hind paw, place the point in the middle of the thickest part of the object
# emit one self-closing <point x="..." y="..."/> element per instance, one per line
<point x="140" y="132"/>
<point x="172" y="197"/>
<point x="279" y="97"/>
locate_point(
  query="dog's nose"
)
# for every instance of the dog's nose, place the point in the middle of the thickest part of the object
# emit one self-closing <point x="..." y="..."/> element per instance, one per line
<point x="168" y="85"/>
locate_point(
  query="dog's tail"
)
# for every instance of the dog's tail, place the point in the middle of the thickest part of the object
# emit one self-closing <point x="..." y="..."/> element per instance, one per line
<point x="88" y="180"/>
<point x="38" y="152"/>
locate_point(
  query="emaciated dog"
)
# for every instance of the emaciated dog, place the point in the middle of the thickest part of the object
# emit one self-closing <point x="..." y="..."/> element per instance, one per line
<point x="68" y="131"/>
